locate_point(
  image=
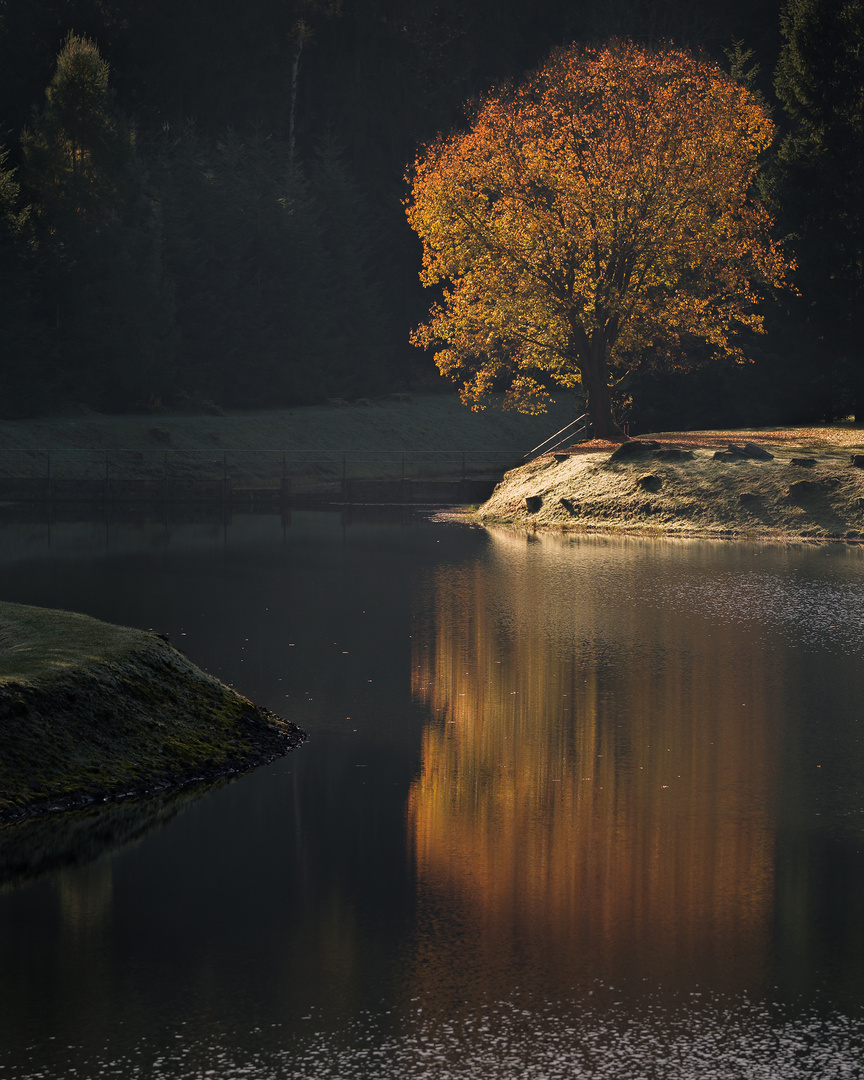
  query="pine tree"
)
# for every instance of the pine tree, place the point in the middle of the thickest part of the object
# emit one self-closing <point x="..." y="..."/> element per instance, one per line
<point x="243" y="251"/>
<point x="103" y="291"/>
<point x="361" y="341"/>
<point x="818" y="187"/>
<point x="21" y="347"/>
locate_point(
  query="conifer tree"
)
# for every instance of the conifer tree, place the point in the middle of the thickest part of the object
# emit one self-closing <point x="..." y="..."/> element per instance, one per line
<point x="20" y="345"/>
<point x="103" y="291"/>
<point x="361" y="342"/>
<point x="242" y="253"/>
<point x="817" y="185"/>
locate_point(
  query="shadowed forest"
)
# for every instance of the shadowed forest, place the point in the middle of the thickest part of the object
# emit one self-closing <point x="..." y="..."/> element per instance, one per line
<point x="201" y="203"/>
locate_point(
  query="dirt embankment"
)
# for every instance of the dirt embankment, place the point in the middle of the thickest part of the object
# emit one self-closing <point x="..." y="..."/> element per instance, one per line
<point x="796" y="483"/>
<point x="91" y="712"/>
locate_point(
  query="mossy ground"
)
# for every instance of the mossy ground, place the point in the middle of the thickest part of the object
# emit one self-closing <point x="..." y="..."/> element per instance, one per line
<point x="89" y="710"/>
<point x="698" y="495"/>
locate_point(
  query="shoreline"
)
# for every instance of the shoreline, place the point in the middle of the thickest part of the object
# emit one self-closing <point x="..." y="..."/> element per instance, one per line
<point x="773" y="486"/>
<point x="652" y="532"/>
<point x="167" y="784"/>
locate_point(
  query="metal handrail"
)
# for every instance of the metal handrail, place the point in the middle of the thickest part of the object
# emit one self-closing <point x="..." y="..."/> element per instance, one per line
<point x="567" y="439"/>
<point x="555" y="436"/>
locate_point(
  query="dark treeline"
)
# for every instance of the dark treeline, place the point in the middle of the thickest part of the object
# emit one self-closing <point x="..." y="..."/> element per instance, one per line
<point x="201" y="202"/>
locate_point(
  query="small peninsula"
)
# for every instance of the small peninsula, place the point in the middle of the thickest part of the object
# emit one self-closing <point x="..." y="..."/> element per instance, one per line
<point x="91" y="712"/>
<point x="775" y="484"/>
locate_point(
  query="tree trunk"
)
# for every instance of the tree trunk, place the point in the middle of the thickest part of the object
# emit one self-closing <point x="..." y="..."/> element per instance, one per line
<point x="595" y="380"/>
<point x="858" y="395"/>
<point x="295" y="75"/>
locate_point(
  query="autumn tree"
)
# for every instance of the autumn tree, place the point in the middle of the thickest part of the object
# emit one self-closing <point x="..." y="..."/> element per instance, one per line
<point x="598" y="213"/>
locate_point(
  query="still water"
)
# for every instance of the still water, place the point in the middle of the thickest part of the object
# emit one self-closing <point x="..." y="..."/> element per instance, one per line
<point x="570" y="807"/>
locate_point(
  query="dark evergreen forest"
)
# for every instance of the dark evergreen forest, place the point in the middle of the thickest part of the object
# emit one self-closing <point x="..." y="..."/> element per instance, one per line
<point x="200" y="203"/>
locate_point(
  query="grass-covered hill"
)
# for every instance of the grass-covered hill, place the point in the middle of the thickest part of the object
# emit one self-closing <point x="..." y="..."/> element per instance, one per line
<point x="778" y="483"/>
<point x="90" y="711"/>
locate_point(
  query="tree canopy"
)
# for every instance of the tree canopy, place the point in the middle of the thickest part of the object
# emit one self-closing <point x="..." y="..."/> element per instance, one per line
<point x="199" y="211"/>
<point x="600" y="212"/>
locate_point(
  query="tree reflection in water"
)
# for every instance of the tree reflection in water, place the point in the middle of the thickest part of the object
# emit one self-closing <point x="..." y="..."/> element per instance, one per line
<point x="598" y="785"/>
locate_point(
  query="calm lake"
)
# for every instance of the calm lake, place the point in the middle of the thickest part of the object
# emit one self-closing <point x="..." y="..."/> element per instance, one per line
<point x="570" y="807"/>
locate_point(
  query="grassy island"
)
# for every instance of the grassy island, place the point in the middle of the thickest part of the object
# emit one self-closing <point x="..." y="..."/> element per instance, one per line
<point x="91" y="711"/>
<point x="790" y="483"/>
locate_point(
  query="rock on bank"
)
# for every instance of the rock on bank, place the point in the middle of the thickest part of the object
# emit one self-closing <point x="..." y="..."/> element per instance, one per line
<point x="90" y="711"/>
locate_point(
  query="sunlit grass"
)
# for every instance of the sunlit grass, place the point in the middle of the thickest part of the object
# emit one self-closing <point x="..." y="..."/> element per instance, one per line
<point x="697" y="495"/>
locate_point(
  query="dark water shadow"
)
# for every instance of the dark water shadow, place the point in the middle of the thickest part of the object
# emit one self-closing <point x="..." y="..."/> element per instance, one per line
<point x="33" y="848"/>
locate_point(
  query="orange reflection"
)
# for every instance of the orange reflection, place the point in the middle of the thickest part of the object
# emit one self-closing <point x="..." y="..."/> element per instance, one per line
<point x="598" y="778"/>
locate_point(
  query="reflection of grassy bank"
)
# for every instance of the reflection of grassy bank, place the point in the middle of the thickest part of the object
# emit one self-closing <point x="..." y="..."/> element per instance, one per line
<point x="89" y="711"/>
<point x="808" y="488"/>
<point x="40" y="845"/>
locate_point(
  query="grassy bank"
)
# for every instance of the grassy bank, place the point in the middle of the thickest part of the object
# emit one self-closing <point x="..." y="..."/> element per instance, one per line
<point x="791" y="483"/>
<point x="402" y="422"/>
<point x="313" y="448"/>
<point x="90" y="711"/>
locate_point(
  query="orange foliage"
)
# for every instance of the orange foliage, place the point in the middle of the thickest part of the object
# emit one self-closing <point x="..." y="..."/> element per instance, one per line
<point x="603" y="208"/>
